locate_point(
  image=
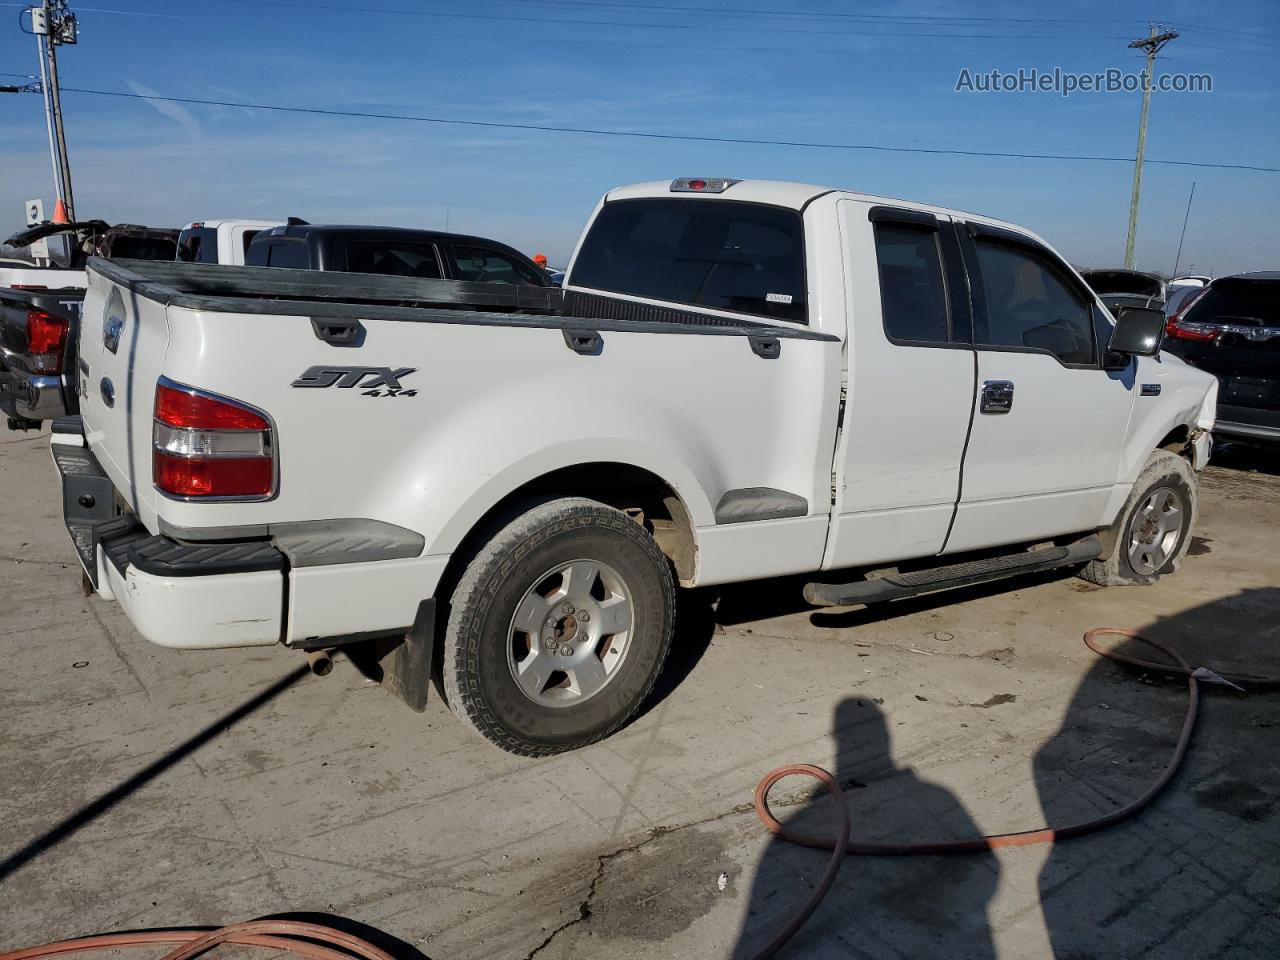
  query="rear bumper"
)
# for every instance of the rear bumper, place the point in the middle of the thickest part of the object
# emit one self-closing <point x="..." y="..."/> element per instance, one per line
<point x="1253" y="423"/>
<point x="194" y="596"/>
<point x="1251" y="431"/>
<point x="29" y="396"/>
<point x="318" y="583"/>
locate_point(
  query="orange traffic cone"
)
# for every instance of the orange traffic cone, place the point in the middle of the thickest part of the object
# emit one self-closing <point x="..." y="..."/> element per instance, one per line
<point x="60" y="212"/>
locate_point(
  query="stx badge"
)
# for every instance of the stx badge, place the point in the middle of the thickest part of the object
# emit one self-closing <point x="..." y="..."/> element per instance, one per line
<point x="381" y="382"/>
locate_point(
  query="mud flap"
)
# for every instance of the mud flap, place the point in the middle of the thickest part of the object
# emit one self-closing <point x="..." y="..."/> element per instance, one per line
<point x="407" y="671"/>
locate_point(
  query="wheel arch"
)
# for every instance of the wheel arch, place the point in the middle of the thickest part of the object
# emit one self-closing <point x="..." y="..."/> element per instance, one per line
<point x="654" y="502"/>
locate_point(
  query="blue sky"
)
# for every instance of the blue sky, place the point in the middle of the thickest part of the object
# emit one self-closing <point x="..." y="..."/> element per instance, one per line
<point x="793" y="72"/>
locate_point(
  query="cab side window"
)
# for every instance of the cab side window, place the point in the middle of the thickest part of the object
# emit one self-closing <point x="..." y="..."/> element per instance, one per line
<point x="1030" y="305"/>
<point x="490" y="266"/>
<point x="913" y="298"/>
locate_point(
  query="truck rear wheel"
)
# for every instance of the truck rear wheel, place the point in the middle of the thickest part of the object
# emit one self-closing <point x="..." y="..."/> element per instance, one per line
<point x="558" y="628"/>
<point x="1153" y="531"/>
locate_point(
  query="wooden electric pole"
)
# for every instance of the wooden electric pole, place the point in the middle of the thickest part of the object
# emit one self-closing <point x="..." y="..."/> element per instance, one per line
<point x="54" y="25"/>
<point x="1152" y="46"/>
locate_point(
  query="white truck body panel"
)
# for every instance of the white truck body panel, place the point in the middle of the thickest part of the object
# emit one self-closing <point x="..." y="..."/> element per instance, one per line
<point x="909" y="471"/>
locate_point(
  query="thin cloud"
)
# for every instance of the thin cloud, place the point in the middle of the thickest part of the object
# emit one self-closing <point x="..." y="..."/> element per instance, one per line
<point x="174" y="111"/>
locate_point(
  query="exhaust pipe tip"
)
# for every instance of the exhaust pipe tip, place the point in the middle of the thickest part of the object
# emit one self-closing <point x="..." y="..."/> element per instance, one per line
<point x="320" y="662"/>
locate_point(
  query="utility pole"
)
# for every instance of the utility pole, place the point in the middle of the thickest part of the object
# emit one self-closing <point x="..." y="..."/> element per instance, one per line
<point x="53" y="25"/>
<point x="1152" y="46"/>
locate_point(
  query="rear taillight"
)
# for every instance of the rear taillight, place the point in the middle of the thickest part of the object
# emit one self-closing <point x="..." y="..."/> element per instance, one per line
<point x="1181" y="329"/>
<point x="210" y="446"/>
<point x="46" y="339"/>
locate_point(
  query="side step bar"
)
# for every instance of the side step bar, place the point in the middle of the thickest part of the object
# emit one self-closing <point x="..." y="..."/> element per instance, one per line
<point x="898" y="585"/>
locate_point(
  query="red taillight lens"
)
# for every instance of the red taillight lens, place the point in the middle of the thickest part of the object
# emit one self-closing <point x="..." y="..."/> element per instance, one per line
<point x="180" y="408"/>
<point x="697" y="184"/>
<point x="209" y="446"/>
<point x="46" y="338"/>
<point x="213" y="476"/>
<point x="1180" y="329"/>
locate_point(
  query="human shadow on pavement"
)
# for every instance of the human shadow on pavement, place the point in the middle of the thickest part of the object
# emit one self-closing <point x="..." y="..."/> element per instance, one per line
<point x="1197" y="873"/>
<point x="924" y="906"/>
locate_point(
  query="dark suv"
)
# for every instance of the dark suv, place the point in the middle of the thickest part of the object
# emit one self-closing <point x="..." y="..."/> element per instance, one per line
<point x="1232" y="330"/>
<point x="395" y="252"/>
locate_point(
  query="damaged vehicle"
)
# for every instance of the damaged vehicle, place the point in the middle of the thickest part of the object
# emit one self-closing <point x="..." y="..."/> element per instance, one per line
<point x="502" y="486"/>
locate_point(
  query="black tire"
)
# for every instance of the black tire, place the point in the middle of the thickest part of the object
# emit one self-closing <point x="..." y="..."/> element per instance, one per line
<point x="478" y="680"/>
<point x="1163" y="470"/>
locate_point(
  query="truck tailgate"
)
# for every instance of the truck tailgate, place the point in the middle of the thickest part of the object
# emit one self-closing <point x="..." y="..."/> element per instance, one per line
<point x="121" y="348"/>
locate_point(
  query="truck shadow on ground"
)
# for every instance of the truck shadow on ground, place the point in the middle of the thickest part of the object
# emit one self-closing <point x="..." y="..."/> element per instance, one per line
<point x="1194" y="874"/>
<point x="700" y="613"/>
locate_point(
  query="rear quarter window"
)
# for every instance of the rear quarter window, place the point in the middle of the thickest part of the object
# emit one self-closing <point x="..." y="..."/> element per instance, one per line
<point x="721" y="254"/>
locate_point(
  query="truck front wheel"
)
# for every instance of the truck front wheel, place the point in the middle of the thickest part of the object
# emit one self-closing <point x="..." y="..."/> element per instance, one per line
<point x="558" y="628"/>
<point x="1153" y="531"/>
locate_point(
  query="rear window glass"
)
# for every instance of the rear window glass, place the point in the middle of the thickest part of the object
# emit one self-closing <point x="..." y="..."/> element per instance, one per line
<point x="1249" y="303"/>
<point x="742" y="257"/>
<point x="393" y="259"/>
<point x="198" y="245"/>
<point x="279" y="252"/>
<point x="143" y="248"/>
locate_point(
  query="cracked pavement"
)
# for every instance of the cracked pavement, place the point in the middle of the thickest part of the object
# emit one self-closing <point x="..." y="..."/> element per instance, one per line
<point x="978" y="711"/>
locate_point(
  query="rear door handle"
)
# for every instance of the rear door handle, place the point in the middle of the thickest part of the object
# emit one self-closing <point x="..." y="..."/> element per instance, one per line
<point x="997" y="396"/>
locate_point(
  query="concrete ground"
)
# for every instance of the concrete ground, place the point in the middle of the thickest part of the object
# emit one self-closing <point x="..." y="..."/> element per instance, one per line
<point x="142" y="787"/>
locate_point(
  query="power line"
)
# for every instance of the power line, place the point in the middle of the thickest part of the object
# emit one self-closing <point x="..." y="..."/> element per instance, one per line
<point x="717" y="27"/>
<point x="822" y="15"/>
<point x="654" y="135"/>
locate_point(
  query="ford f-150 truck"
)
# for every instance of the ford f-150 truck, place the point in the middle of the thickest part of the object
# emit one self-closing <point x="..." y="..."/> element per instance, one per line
<point x="739" y="380"/>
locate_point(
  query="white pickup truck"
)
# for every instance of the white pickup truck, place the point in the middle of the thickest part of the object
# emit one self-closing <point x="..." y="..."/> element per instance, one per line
<point x="504" y="485"/>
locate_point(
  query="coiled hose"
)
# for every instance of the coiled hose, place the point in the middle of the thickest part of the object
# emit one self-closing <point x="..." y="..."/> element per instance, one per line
<point x="315" y="941"/>
<point x="1021" y="838"/>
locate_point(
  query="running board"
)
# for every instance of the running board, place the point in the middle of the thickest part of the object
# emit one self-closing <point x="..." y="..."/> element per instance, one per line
<point x="895" y="586"/>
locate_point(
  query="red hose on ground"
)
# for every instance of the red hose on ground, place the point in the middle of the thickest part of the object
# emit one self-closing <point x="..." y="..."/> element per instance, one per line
<point x="1020" y="838"/>
<point x="282" y="936"/>
<point x="319" y="942"/>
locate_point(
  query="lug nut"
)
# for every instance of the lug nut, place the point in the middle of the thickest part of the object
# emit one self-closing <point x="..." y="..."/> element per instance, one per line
<point x="584" y="616"/>
<point x="567" y="609"/>
<point x="550" y="644"/>
<point x="566" y="651"/>
<point x="582" y="636"/>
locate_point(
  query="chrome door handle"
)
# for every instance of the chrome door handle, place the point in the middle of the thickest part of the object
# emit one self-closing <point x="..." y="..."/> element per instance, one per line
<point x="997" y="396"/>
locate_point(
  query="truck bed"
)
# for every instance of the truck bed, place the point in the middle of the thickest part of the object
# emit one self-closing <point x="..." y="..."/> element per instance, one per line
<point x="326" y="295"/>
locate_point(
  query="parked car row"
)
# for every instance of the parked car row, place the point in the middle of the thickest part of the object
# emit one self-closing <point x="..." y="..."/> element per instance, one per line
<point x="1229" y="327"/>
<point x="39" y="308"/>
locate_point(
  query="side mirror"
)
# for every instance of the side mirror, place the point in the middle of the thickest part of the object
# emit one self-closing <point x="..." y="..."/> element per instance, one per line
<point x="1139" y="332"/>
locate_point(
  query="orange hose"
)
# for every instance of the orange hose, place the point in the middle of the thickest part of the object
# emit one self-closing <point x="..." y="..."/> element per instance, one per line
<point x="319" y="942"/>
<point x="286" y="936"/>
<point x="1019" y="838"/>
